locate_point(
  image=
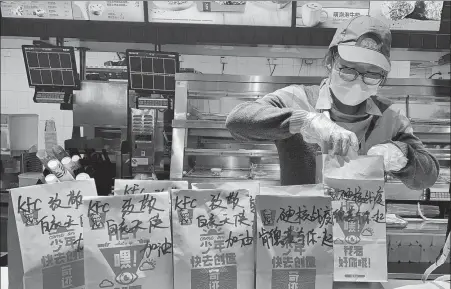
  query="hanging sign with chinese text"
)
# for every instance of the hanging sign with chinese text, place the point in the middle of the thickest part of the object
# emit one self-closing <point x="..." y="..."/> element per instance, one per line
<point x="328" y="14"/>
<point x="37" y="9"/>
<point x="251" y="13"/>
<point x="132" y="11"/>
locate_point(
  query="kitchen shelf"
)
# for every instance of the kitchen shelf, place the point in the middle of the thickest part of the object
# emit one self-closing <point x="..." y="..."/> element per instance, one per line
<point x="230" y="153"/>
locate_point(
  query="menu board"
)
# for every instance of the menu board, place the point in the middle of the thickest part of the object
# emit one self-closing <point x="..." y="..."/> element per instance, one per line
<point x="152" y="71"/>
<point x="328" y="14"/>
<point x="50" y="66"/>
<point x="408" y="15"/>
<point x="132" y="11"/>
<point x="37" y="9"/>
<point x="252" y="13"/>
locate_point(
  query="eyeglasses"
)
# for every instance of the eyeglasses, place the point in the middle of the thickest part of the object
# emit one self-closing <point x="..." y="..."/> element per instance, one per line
<point x="350" y="74"/>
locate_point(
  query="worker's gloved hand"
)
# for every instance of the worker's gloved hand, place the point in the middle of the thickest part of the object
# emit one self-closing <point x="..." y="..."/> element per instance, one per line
<point x="394" y="158"/>
<point x="333" y="139"/>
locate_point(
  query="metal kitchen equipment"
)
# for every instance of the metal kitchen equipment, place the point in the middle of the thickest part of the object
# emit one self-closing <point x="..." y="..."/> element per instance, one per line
<point x="201" y="142"/>
<point x="204" y="150"/>
<point x="151" y="87"/>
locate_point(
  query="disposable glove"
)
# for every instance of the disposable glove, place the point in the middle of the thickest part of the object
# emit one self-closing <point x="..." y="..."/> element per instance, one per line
<point x="332" y="138"/>
<point x="394" y="158"/>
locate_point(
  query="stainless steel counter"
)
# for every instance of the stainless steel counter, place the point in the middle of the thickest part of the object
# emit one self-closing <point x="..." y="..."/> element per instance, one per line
<point x="391" y="284"/>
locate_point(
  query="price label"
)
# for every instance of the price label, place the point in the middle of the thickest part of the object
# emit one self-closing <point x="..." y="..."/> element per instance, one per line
<point x="206" y="6"/>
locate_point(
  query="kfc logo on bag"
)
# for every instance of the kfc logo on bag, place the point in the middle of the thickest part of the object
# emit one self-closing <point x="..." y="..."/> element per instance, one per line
<point x="29" y="218"/>
<point x="268" y="217"/>
<point x="97" y="221"/>
<point x="185" y="217"/>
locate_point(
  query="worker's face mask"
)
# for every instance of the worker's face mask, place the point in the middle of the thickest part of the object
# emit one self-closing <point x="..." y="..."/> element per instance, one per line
<point x="351" y="93"/>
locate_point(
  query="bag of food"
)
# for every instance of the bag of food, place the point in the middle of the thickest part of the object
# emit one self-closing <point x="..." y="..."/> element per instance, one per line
<point x="128" y="241"/>
<point x="213" y="239"/>
<point x="45" y="235"/>
<point x="358" y="204"/>
<point x="252" y="187"/>
<point x="294" y="238"/>
<point x="132" y="187"/>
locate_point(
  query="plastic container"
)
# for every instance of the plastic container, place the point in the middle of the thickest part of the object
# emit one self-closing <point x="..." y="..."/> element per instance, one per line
<point x="59" y="171"/>
<point x="82" y="176"/>
<point x="44" y="157"/>
<point x="71" y="167"/>
<point x="76" y="160"/>
<point x="59" y="152"/>
<point x="50" y="137"/>
<point x="51" y="179"/>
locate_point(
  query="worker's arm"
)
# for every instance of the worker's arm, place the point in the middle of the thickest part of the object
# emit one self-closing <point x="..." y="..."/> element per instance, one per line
<point x="277" y="115"/>
<point x="422" y="168"/>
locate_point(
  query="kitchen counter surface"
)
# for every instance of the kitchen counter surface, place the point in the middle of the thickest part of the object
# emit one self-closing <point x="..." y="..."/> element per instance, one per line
<point x="391" y="284"/>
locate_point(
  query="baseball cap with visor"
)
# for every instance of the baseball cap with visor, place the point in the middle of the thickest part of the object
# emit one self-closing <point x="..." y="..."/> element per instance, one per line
<point x="364" y="39"/>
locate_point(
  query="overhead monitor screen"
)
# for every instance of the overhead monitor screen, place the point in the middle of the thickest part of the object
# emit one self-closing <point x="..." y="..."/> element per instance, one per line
<point x="152" y="71"/>
<point x="52" y="67"/>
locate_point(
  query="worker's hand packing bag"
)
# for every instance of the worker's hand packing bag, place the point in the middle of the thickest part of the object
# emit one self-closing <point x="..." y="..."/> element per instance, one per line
<point x="45" y="235"/>
<point x="128" y="241"/>
<point x="133" y="187"/>
<point x="294" y="238"/>
<point x="213" y="239"/>
<point x="358" y="205"/>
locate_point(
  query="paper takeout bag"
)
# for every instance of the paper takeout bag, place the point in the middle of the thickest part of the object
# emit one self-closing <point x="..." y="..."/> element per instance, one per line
<point x="252" y="187"/>
<point x="132" y="187"/>
<point x="45" y="235"/>
<point x="128" y="241"/>
<point x="294" y="243"/>
<point x="358" y="203"/>
<point x="213" y="239"/>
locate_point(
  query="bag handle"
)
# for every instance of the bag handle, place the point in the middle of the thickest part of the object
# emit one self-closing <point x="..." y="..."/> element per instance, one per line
<point x="440" y="260"/>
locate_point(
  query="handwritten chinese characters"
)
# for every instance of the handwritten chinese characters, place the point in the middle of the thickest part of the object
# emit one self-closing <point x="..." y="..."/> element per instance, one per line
<point x="134" y="187"/>
<point x="215" y="236"/>
<point x="132" y="234"/>
<point x="358" y="202"/>
<point x="294" y="240"/>
<point x="52" y="214"/>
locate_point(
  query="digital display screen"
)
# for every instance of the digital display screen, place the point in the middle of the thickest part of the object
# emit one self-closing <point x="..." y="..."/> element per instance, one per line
<point x="53" y="67"/>
<point x="152" y="71"/>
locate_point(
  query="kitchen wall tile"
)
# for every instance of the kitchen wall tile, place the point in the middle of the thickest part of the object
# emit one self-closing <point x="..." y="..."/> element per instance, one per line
<point x="68" y="118"/>
<point x="25" y="100"/>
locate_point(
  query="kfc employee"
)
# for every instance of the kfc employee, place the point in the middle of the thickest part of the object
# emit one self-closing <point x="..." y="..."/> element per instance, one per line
<point x="344" y="113"/>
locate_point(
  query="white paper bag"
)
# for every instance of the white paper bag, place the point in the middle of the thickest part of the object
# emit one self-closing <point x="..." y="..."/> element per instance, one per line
<point x="132" y="187"/>
<point x="358" y="203"/>
<point x="294" y="243"/>
<point x="252" y="187"/>
<point x="213" y="239"/>
<point x="45" y="235"/>
<point x="128" y="241"/>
